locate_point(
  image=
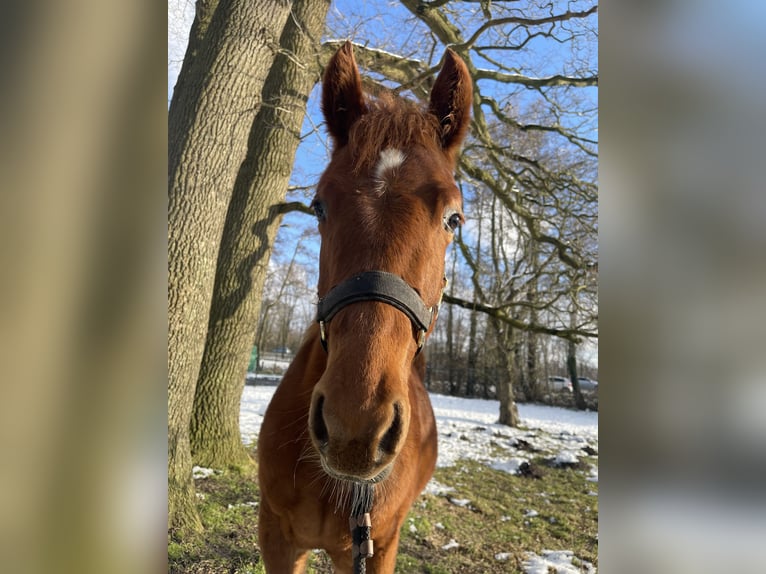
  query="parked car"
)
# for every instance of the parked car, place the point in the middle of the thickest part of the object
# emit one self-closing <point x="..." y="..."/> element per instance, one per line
<point x="559" y="384"/>
<point x="587" y="384"/>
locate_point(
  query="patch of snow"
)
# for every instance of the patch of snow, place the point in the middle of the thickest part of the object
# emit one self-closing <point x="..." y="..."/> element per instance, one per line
<point x="510" y="466"/>
<point x="439" y="526"/>
<point x="459" y="418"/>
<point x="451" y="544"/>
<point x="558" y="561"/>
<point x="436" y="488"/>
<point x="531" y="513"/>
<point x="202" y="472"/>
<point x="565" y="457"/>
<point x="463" y="502"/>
<point x="251" y="503"/>
<point x="255" y="399"/>
<point x="502" y="556"/>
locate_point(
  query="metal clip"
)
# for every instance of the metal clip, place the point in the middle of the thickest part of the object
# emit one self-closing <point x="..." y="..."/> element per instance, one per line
<point x="441" y="293"/>
<point x="366" y="549"/>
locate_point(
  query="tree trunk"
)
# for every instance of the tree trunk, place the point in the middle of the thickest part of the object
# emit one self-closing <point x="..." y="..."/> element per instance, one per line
<point x="470" y="384"/>
<point x="519" y="368"/>
<point x="251" y="225"/>
<point x="533" y="379"/>
<point x="453" y="383"/>
<point x="470" y="381"/>
<point x="211" y="110"/>
<point x="509" y="412"/>
<point x="572" y="367"/>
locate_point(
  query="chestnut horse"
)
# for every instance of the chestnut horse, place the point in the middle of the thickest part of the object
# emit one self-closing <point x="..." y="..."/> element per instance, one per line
<point x="349" y="438"/>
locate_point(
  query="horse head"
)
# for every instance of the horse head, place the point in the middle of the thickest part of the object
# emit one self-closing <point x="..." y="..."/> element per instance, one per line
<point x="387" y="206"/>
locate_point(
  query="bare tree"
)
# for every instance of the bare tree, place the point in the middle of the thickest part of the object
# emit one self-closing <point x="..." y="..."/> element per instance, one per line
<point x="286" y="291"/>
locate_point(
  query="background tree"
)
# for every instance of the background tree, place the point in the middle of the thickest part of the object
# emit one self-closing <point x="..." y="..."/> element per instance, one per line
<point x="230" y="51"/>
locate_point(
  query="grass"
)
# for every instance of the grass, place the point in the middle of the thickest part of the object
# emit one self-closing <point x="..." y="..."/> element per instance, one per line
<point x="228" y="508"/>
<point x="495" y="521"/>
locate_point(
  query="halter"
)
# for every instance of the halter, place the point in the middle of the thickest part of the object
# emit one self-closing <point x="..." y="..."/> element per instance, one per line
<point x="386" y="288"/>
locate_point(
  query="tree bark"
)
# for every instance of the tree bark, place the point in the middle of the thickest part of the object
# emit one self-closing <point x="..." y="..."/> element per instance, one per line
<point x="470" y="379"/>
<point x="572" y="367"/>
<point x="251" y="224"/>
<point x="533" y="379"/>
<point x="212" y="107"/>
<point x="533" y="390"/>
<point x="509" y="412"/>
<point x="454" y="384"/>
<point x="505" y="335"/>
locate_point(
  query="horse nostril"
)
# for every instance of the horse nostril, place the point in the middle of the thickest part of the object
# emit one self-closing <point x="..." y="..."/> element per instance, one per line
<point x="390" y="440"/>
<point x="318" y="425"/>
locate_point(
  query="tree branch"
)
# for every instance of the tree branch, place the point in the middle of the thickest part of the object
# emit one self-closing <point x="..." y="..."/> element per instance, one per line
<point x="500" y="314"/>
<point x="290" y="206"/>
<point x="555" y="80"/>
<point x="526" y="22"/>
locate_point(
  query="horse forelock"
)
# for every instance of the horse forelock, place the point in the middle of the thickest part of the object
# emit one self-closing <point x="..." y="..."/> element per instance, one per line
<point x="390" y="123"/>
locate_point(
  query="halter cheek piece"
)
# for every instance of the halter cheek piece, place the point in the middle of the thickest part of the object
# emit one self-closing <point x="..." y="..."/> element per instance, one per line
<point x="378" y="286"/>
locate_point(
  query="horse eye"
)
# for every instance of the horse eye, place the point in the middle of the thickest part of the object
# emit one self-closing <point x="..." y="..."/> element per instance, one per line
<point x="454" y="221"/>
<point x="318" y="208"/>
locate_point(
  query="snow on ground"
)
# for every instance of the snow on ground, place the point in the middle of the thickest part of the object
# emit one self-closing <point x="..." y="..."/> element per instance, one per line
<point x="559" y="561"/>
<point x="467" y="430"/>
<point x="255" y="399"/>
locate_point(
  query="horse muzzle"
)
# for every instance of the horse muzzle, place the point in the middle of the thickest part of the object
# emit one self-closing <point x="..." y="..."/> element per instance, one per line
<point x="355" y="445"/>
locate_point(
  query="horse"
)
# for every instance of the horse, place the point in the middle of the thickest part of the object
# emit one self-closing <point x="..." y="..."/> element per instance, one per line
<point x="348" y="441"/>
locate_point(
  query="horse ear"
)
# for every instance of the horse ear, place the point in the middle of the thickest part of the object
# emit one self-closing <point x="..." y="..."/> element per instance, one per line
<point x="342" y="97"/>
<point x="450" y="102"/>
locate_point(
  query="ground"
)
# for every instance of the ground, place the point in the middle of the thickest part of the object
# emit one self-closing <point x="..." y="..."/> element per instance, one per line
<point x="502" y="500"/>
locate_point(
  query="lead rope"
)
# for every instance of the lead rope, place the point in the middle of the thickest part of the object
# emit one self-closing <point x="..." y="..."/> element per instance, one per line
<point x="361" y="526"/>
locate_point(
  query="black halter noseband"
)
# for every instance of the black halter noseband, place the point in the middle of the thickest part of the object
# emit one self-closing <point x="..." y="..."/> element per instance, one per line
<point x="377" y="286"/>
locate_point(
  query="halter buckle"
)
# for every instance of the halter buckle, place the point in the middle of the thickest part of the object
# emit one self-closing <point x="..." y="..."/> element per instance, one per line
<point x="421" y="339"/>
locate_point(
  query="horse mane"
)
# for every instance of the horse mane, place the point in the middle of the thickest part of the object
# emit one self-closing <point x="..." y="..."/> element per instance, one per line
<point x="390" y="122"/>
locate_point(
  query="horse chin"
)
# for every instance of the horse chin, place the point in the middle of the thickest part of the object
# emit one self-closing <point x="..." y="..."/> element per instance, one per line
<point x="375" y="479"/>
